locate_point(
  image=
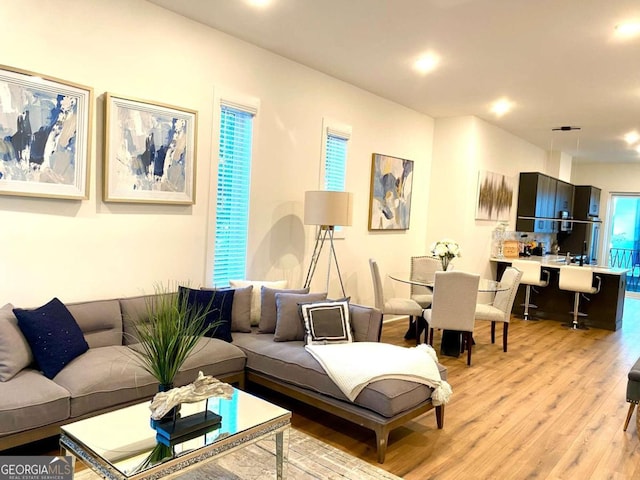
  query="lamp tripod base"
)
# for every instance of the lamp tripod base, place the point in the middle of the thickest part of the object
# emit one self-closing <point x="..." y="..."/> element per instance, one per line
<point x="323" y="232"/>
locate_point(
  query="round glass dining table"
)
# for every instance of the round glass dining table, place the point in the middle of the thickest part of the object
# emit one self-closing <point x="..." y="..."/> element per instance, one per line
<point x="485" y="284"/>
<point x="451" y="340"/>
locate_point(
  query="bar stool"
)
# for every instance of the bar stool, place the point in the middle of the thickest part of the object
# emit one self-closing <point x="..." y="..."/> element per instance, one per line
<point x="578" y="280"/>
<point x="531" y="277"/>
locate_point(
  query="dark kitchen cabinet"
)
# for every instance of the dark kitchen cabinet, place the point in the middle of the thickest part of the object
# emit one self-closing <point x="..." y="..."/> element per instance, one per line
<point x="536" y="198"/>
<point x="564" y="198"/>
<point x="594" y="202"/>
<point x="583" y="239"/>
<point x="586" y="202"/>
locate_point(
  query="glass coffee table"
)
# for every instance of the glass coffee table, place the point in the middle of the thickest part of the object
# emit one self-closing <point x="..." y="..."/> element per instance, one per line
<point x="122" y="445"/>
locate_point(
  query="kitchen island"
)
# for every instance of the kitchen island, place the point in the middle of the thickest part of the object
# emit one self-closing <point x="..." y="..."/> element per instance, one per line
<point x="604" y="309"/>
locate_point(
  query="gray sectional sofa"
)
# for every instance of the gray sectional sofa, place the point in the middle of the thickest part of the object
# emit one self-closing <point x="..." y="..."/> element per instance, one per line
<point x="107" y="376"/>
<point x="286" y="367"/>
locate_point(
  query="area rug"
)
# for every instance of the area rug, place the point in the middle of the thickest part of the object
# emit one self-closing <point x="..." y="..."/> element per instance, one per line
<point x="309" y="459"/>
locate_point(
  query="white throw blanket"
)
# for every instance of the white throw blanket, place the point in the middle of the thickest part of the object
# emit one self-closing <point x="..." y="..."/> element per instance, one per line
<point x="352" y="366"/>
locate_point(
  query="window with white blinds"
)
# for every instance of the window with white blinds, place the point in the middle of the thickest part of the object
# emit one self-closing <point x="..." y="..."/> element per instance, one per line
<point x="335" y="163"/>
<point x="232" y="198"/>
<point x="333" y="173"/>
<point x="334" y="166"/>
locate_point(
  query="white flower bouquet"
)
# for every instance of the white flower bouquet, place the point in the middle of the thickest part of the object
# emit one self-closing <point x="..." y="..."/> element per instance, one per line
<point x="446" y="250"/>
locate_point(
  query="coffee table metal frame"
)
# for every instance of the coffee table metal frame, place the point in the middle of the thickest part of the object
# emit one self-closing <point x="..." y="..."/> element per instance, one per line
<point x="277" y="424"/>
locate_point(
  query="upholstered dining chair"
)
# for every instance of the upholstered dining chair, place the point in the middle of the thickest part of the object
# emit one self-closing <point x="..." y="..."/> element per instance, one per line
<point x="392" y="306"/>
<point x="500" y="309"/>
<point x="423" y="269"/>
<point x="455" y="295"/>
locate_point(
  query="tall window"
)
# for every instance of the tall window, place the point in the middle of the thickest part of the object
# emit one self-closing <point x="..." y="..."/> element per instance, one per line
<point x="334" y="166"/>
<point x="335" y="163"/>
<point x="232" y="198"/>
<point x="624" y="236"/>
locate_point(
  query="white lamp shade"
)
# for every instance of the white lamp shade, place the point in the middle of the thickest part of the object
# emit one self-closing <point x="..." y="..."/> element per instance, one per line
<point x="322" y="207"/>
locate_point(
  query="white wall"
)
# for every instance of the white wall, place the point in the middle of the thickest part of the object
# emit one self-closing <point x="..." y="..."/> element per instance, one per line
<point x="609" y="177"/>
<point x="462" y="147"/>
<point x="89" y="249"/>
<point x="559" y="165"/>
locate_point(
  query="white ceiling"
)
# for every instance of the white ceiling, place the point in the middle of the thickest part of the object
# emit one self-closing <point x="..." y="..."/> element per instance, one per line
<point x="558" y="60"/>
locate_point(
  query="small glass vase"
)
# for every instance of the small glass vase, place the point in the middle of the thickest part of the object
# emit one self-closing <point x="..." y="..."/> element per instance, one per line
<point x="445" y="263"/>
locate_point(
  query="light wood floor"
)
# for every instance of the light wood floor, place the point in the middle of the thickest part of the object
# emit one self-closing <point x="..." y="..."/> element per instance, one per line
<point x="552" y="407"/>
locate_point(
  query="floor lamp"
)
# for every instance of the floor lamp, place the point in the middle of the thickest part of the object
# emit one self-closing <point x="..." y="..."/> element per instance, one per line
<point x="327" y="210"/>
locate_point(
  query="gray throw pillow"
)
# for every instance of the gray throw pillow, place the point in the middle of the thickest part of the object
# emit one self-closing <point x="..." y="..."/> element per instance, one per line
<point x="241" y="309"/>
<point x="256" y="294"/>
<point x="15" y="353"/>
<point x="289" y="324"/>
<point x="268" y="312"/>
<point x="326" y="322"/>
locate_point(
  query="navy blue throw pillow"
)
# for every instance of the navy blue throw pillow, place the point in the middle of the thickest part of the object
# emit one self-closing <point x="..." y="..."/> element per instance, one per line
<point x="53" y="335"/>
<point x="219" y="315"/>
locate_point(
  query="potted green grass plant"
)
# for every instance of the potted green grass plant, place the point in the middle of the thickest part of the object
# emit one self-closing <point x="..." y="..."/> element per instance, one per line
<point x="173" y="328"/>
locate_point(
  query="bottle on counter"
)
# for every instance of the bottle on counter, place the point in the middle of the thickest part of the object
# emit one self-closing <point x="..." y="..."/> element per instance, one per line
<point x="499" y="236"/>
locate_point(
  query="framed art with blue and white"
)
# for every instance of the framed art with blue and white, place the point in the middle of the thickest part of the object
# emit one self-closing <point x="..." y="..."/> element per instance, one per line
<point x="391" y="188"/>
<point x="149" y="152"/>
<point x="45" y="135"/>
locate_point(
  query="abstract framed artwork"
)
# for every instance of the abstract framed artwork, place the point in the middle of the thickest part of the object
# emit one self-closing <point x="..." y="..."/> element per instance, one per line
<point x="390" y="200"/>
<point x="495" y="196"/>
<point x="45" y="128"/>
<point x="149" y="152"/>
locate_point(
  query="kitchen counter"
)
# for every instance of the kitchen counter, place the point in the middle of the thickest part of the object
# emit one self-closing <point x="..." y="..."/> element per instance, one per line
<point x="604" y="309"/>
<point x="556" y="261"/>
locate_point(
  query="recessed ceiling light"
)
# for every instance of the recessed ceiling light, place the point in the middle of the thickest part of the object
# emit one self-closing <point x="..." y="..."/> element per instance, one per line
<point x="628" y="29"/>
<point x="502" y="106"/>
<point x="631" y="137"/>
<point x="426" y="63"/>
<point x="259" y="3"/>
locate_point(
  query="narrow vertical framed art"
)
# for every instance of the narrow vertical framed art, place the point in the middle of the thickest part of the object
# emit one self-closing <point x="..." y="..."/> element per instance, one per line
<point x="149" y="152"/>
<point x="45" y="135"/>
<point x="391" y="188"/>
